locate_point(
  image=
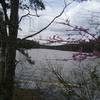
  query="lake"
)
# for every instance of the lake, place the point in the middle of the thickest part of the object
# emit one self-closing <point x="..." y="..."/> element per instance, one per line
<point x="45" y="60"/>
<point x="40" y="75"/>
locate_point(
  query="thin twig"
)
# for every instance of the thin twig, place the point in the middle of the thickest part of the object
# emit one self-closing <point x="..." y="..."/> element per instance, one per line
<point x="28" y="14"/>
<point x="78" y="28"/>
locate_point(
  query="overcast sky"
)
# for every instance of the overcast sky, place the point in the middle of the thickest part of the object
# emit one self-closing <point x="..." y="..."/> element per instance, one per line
<point x="78" y="13"/>
<point x="31" y="24"/>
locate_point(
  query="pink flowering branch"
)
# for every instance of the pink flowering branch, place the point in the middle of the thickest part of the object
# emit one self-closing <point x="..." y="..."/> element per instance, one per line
<point x="77" y="28"/>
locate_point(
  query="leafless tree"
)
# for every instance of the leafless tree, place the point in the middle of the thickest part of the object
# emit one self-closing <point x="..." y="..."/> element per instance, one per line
<point x="82" y="83"/>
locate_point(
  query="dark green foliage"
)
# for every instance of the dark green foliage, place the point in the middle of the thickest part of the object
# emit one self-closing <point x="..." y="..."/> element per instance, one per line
<point x="34" y="4"/>
<point x="27" y="44"/>
<point x="37" y="4"/>
<point x="86" y="46"/>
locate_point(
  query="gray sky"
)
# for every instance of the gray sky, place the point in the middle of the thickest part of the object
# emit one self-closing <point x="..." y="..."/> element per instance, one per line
<point x="31" y="24"/>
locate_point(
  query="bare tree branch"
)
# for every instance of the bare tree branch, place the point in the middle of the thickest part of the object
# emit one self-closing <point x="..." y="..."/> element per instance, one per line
<point x="66" y="5"/>
<point x="28" y="14"/>
<point x="28" y="58"/>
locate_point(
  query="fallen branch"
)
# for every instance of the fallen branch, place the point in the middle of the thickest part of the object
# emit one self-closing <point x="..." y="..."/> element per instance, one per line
<point x="28" y="58"/>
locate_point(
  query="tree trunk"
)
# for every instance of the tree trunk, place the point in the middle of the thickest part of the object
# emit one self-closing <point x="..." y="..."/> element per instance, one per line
<point x="11" y="50"/>
<point x="3" y="37"/>
<point x="10" y="72"/>
<point x="8" y="54"/>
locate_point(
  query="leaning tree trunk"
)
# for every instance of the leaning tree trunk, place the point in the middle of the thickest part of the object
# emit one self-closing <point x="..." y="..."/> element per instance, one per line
<point x="8" y="53"/>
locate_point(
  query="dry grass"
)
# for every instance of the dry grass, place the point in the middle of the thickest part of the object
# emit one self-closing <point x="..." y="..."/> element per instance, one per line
<point x="26" y="94"/>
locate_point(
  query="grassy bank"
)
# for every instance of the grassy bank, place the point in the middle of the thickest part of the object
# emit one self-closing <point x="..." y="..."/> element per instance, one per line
<point x="27" y="94"/>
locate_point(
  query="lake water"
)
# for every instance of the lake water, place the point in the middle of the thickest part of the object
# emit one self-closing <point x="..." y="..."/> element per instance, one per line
<point x="40" y="76"/>
<point x="45" y="60"/>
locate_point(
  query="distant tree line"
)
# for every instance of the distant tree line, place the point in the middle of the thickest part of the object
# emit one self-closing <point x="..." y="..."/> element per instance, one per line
<point x="86" y="46"/>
